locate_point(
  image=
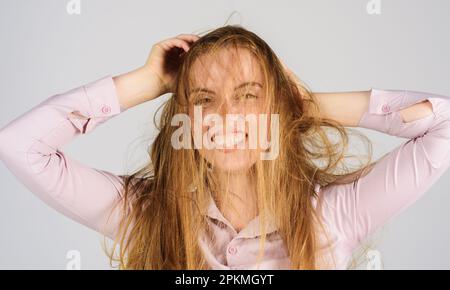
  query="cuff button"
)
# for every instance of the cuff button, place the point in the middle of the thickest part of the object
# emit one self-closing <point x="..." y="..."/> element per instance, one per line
<point x="106" y="109"/>
<point x="385" y="109"/>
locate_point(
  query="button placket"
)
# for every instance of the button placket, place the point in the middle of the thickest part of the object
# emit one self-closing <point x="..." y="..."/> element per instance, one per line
<point x="231" y="254"/>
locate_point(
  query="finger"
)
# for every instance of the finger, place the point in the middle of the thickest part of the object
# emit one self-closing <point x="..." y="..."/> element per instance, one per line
<point x="189" y="37"/>
<point x="176" y="42"/>
<point x="187" y="40"/>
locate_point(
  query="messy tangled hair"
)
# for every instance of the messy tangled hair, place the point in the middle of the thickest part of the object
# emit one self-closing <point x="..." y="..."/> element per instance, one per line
<point x="164" y="203"/>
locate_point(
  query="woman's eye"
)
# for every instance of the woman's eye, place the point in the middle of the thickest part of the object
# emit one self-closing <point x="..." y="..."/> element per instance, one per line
<point x="202" y="100"/>
<point x="248" y="96"/>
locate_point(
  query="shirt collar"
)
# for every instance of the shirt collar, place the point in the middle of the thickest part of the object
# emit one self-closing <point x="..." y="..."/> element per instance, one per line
<point x="253" y="227"/>
<point x="250" y="231"/>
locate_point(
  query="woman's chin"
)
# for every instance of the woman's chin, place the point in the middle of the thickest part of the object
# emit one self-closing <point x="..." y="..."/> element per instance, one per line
<point x="234" y="159"/>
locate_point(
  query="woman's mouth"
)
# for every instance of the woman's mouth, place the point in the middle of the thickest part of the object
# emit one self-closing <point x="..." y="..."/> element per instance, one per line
<point x="230" y="141"/>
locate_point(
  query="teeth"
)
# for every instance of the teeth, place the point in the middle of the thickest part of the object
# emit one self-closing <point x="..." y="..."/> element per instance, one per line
<point x="229" y="140"/>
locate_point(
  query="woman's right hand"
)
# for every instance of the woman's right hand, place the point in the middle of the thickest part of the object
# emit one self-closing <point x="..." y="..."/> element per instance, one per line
<point x="157" y="76"/>
<point x="165" y="58"/>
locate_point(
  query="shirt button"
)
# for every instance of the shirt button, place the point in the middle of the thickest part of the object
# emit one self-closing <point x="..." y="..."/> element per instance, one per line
<point x="106" y="109"/>
<point x="232" y="250"/>
<point x="222" y="225"/>
<point x="385" y="108"/>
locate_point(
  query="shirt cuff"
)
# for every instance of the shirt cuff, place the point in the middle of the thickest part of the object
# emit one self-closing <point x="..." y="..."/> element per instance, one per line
<point x="103" y="104"/>
<point x="383" y="112"/>
<point x="103" y="97"/>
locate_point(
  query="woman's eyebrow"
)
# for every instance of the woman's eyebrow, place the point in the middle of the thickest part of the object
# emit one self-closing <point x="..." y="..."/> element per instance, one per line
<point x="203" y="90"/>
<point x="247" y="84"/>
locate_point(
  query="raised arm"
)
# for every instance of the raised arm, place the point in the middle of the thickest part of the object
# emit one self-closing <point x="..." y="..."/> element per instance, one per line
<point x="336" y="106"/>
<point x="401" y="176"/>
<point x="31" y="146"/>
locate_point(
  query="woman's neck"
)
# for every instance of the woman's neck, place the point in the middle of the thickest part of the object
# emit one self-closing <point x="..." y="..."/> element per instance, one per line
<point x="236" y="197"/>
<point x="238" y="183"/>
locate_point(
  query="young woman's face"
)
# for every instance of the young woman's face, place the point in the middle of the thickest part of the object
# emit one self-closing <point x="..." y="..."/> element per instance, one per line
<point x="229" y="85"/>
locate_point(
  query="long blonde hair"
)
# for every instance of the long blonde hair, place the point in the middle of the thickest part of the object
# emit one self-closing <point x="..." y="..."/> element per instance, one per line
<point x="164" y="203"/>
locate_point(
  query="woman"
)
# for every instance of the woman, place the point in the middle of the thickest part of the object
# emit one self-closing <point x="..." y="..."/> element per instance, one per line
<point x="226" y="207"/>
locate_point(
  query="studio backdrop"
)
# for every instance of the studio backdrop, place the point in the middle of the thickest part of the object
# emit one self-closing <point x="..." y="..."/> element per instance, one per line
<point x="50" y="46"/>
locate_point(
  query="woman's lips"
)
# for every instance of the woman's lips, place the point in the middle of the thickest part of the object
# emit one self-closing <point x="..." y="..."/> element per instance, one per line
<point x="230" y="141"/>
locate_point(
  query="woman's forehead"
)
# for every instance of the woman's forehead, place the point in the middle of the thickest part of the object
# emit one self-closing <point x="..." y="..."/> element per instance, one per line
<point x="225" y="68"/>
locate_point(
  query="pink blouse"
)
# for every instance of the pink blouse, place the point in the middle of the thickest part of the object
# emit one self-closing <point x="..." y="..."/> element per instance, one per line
<point x="31" y="148"/>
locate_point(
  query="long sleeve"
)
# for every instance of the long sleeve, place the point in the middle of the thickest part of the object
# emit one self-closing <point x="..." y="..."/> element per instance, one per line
<point x="31" y="148"/>
<point x="400" y="177"/>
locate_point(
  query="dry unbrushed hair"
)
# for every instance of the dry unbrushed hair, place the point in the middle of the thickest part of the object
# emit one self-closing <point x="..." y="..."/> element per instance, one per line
<point x="163" y="217"/>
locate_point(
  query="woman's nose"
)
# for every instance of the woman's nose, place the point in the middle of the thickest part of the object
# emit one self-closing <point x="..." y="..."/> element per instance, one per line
<point x="227" y="106"/>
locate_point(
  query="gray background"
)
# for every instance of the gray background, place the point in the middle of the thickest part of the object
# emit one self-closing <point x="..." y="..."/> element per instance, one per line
<point x="333" y="45"/>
